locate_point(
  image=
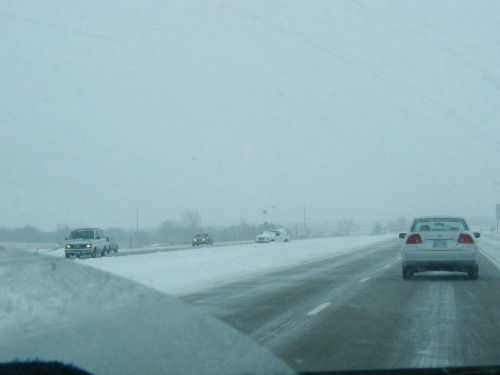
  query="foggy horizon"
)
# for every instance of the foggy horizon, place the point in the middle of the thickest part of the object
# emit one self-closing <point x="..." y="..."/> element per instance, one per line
<point x="247" y="110"/>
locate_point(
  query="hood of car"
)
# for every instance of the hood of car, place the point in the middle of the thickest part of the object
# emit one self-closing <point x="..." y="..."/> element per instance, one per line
<point x="109" y="325"/>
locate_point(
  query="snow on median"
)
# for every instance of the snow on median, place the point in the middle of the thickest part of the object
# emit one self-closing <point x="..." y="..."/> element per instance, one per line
<point x="187" y="271"/>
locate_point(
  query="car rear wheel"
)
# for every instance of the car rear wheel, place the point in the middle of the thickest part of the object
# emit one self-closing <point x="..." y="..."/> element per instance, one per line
<point x="407" y="272"/>
<point x="473" y="273"/>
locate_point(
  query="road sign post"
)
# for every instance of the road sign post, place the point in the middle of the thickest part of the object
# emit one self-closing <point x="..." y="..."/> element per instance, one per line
<point x="498" y="215"/>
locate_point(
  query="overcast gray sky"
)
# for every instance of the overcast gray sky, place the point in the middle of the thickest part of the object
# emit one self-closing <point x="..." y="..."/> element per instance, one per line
<point x="369" y="110"/>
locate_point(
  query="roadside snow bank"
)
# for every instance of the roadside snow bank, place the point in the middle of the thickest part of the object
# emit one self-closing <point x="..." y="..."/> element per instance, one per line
<point x="490" y="246"/>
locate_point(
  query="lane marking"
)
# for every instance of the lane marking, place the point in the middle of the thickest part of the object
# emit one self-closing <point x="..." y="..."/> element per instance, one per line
<point x="364" y="280"/>
<point x="319" y="308"/>
<point x="278" y="328"/>
<point x="387" y="266"/>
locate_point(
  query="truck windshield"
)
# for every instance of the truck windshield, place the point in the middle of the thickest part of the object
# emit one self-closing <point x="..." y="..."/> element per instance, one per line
<point x="85" y="235"/>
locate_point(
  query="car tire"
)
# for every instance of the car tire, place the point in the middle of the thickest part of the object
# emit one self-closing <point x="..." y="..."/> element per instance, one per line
<point x="407" y="273"/>
<point x="473" y="273"/>
<point x="67" y="256"/>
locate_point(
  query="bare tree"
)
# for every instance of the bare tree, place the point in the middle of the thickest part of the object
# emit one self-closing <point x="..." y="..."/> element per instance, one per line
<point x="346" y="226"/>
<point x="192" y="219"/>
<point x="377" y="229"/>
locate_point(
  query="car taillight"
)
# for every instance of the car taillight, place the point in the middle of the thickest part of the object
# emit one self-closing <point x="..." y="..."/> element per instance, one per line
<point x="414" y="239"/>
<point x="465" y="238"/>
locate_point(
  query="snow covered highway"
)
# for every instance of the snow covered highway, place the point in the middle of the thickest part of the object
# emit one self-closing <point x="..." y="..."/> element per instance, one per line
<point x="134" y="132"/>
<point x="331" y="303"/>
<point x="334" y="313"/>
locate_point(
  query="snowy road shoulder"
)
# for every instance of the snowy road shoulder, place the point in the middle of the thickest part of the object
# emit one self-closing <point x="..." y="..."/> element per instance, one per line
<point x="490" y="247"/>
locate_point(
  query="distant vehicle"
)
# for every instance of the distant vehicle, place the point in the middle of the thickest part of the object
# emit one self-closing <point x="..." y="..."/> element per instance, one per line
<point x="202" y="239"/>
<point x="278" y="235"/>
<point x="439" y="244"/>
<point x="88" y="242"/>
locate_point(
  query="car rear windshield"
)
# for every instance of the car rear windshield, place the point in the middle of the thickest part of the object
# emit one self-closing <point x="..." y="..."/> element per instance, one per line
<point x="438" y="224"/>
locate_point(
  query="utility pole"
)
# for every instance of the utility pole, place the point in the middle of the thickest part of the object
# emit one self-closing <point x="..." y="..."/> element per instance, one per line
<point x="305" y="225"/>
<point x="498" y="215"/>
<point x="137" y="225"/>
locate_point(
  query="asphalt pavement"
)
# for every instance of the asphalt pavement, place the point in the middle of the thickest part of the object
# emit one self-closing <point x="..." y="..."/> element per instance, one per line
<point x="354" y="311"/>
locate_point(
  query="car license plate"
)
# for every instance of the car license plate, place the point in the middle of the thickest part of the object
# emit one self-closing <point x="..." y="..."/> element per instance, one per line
<point x="439" y="243"/>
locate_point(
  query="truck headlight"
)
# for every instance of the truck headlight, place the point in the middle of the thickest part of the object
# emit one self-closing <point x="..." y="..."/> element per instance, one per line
<point x="89" y="245"/>
<point x="67" y="247"/>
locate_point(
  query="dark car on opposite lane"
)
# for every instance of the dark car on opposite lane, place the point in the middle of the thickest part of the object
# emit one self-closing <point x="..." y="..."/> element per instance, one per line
<point x="202" y="239"/>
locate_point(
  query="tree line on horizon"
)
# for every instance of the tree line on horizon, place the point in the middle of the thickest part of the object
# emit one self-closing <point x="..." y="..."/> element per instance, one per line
<point x="170" y="231"/>
<point x="182" y="231"/>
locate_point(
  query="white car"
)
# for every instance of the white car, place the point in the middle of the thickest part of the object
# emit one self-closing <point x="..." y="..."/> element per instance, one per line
<point x="439" y="244"/>
<point x="279" y="235"/>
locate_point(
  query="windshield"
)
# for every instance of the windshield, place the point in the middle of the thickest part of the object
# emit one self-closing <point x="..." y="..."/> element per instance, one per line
<point x="439" y="224"/>
<point x="286" y="168"/>
<point x="85" y="235"/>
